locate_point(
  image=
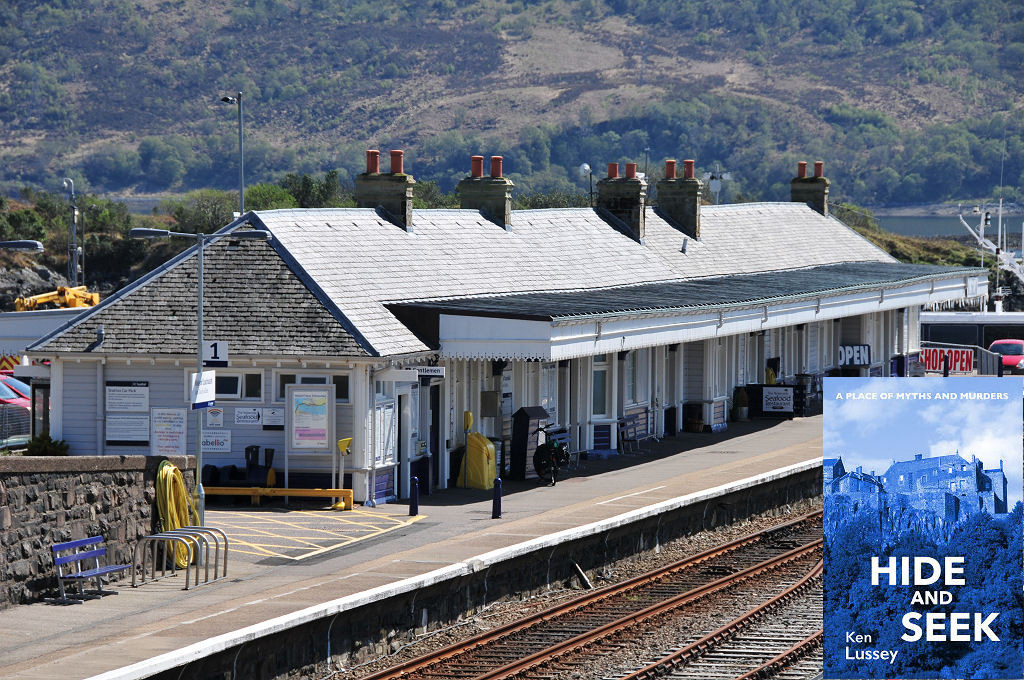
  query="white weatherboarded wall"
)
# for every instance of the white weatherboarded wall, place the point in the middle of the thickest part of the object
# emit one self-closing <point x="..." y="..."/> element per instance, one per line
<point x="167" y="390"/>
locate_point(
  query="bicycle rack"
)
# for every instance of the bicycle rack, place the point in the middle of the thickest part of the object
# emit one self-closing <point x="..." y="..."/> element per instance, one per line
<point x="196" y="541"/>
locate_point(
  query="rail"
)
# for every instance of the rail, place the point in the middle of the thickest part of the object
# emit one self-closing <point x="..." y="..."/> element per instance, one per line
<point x="620" y="605"/>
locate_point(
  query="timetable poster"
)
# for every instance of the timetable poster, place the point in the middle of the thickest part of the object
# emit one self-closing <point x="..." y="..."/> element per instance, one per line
<point x="922" y="527"/>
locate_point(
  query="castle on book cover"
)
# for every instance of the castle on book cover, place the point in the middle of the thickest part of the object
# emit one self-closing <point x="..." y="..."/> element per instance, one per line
<point x="922" y="523"/>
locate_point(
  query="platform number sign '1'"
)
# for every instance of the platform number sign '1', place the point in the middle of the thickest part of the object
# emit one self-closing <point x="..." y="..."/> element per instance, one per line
<point x="215" y="353"/>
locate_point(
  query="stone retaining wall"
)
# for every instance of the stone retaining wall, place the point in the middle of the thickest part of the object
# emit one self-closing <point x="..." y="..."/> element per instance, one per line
<point x="46" y="500"/>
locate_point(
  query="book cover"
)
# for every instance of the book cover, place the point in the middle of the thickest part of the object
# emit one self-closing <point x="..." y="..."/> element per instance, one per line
<point x="922" y="527"/>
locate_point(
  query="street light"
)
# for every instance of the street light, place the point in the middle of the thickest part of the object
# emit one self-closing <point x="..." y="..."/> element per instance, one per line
<point x="34" y="246"/>
<point x="237" y="99"/>
<point x="201" y="241"/>
<point x="74" y="252"/>
<point x="585" y="171"/>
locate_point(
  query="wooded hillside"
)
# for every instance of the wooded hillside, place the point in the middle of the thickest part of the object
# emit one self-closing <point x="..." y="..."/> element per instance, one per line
<point x="906" y="102"/>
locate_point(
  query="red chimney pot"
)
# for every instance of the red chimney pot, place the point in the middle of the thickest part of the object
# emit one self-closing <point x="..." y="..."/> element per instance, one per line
<point x="801" y="169"/>
<point x="372" y="161"/>
<point x="396" y="162"/>
<point x="495" y="166"/>
<point x="631" y="170"/>
<point x="613" y="170"/>
<point x="477" y="166"/>
<point x="819" y="168"/>
<point x="670" y="169"/>
<point x="688" y="169"/>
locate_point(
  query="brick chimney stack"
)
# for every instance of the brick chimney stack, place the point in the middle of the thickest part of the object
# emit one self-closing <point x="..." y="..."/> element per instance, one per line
<point x="490" y="195"/>
<point x="624" y="197"/>
<point x="391" y="191"/>
<point x="679" y="198"/>
<point x="810" y="190"/>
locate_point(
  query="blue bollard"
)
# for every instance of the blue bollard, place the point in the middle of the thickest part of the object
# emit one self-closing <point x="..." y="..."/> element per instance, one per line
<point x="414" y="497"/>
<point x="496" y="504"/>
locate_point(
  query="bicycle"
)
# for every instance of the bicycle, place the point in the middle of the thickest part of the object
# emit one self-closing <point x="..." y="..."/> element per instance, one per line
<point x="551" y="455"/>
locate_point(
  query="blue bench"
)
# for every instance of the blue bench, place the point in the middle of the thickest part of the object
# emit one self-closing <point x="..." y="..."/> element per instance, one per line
<point x="634" y="429"/>
<point x="72" y="567"/>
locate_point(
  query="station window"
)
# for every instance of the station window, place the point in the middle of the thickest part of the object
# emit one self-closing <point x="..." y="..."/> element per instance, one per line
<point x="635" y="376"/>
<point x="629" y="376"/>
<point x="601" y="386"/>
<point x="339" y="380"/>
<point x="233" y="385"/>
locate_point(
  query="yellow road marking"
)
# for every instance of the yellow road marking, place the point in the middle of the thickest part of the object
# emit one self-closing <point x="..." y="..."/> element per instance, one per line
<point x="276" y="536"/>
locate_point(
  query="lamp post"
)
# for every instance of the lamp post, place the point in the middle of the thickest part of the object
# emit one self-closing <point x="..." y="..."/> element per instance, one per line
<point x="73" y="250"/>
<point x="201" y="241"/>
<point x="585" y="171"/>
<point x="237" y="99"/>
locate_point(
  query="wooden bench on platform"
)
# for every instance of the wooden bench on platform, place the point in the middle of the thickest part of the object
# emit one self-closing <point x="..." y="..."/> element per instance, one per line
<point x="255" y="492"/>
<point x="634" y="428"/>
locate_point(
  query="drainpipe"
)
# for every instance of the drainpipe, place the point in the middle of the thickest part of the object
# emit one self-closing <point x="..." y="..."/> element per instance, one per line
<point x="100" y="401"/>
<point x="371" y="492"/>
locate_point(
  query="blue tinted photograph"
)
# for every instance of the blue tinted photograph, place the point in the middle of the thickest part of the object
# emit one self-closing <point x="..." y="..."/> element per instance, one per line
<point x="922" y="521"/>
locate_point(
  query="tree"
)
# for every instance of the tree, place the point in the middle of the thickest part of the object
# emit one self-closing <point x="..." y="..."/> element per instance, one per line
<point x="203" y="211"/>
<point x="268" y="197"/>
<point x="311" y="192"/>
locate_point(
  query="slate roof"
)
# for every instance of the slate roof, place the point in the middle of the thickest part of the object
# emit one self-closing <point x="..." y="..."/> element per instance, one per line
<point x="354" y="262"/>
<point x="361" y="260"/>
<point x="658" y="298"/>
<point x="247" y="286"/>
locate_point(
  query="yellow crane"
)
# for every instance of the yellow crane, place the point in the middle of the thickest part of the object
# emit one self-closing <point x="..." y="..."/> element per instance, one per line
<point x="63" y="297"/>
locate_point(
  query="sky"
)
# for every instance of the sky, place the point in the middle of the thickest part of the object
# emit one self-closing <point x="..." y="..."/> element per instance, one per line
<point x="872" y="421"/>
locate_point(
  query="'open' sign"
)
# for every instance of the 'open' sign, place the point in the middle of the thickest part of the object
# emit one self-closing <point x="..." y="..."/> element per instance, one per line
<point x="854" y="355"/>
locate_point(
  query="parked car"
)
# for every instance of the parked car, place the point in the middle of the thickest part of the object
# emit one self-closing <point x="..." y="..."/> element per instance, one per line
<point x="1012" y="352"/>
<point x="16" y="385"/>
<point x="13" y="398"/>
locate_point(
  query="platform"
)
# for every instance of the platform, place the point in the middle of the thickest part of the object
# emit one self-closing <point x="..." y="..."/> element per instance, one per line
<point x="43" y="641"/>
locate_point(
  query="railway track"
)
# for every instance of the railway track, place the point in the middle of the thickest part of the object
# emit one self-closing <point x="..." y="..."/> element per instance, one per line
<point x="779" y="638"/>
<point x="707" y="586"/>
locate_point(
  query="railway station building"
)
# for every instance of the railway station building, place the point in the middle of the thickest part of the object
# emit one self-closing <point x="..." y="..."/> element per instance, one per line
<point x="621" y="313"/>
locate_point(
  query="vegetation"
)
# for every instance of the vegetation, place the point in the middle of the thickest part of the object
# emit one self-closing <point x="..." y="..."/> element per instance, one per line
<point x="43" y="445"/>
<point x="907" y="102"/>
<point x="991" y="548"/>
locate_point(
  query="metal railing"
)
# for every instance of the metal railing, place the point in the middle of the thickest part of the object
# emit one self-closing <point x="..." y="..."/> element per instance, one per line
<point x="15" y="425"/>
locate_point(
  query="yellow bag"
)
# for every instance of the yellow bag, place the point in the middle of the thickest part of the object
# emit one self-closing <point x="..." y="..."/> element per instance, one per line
<point x="479" y="463"/>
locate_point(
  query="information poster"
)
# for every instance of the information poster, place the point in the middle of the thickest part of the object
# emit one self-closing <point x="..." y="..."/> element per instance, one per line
<point x="127" y="395"/>
<point x="167" y="436"/>
<point x="922" y="527"/>
<point x="310" y="410"/>
<point x="273" y="419"/>
<point x="127" y="429"/>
